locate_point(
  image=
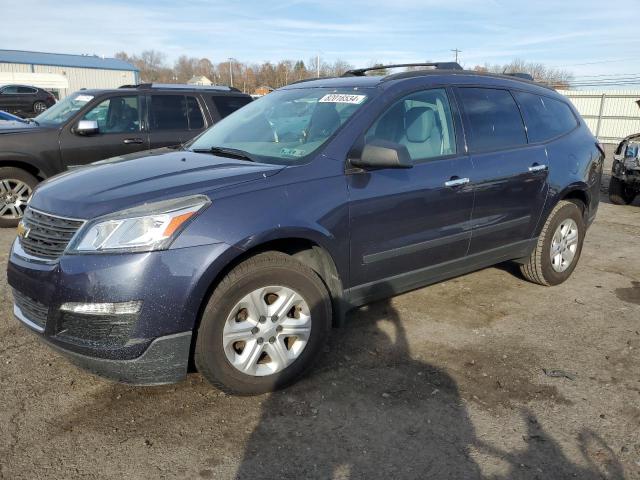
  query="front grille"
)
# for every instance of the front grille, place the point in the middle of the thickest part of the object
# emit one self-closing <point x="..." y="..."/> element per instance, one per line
<point x="46" y="235"/>
<point x="32" y="309"/>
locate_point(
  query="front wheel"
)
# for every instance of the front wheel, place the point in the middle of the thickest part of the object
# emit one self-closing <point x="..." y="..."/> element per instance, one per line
<point x="16" y="186"/>
<point x="619" y="193"/>
<point x="39" y="107"/>
<point x="264" y="325"/>
<point x="559" y="246"/>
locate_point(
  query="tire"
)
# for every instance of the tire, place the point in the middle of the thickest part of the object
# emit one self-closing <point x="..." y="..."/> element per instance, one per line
<point x="619" y="193"/>
<point x="270" y="270"/>
<point x="39" y="107"/>
<point x="540" y="268"/>
<point x="12" y="193"/>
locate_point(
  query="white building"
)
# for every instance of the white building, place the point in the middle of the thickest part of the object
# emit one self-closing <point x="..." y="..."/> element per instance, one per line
<point x="63" y="74"/>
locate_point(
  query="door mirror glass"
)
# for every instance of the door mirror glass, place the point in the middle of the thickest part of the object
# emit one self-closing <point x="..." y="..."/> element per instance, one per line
<point x="382" y="154"/>
<point x="87" y="127"/>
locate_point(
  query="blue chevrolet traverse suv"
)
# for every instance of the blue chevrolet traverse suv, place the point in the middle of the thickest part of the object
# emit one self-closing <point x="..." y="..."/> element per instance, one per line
<point x="237" y="252"/>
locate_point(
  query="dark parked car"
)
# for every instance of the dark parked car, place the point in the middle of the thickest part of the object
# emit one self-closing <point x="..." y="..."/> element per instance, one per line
<point x="624" y="185"/>
<point x="240" y="250"/>
<point x="93" y="125"/>
<point x="25" y="99"/>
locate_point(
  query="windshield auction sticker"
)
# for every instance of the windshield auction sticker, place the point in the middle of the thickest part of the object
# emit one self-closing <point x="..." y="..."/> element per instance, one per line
<point x="83" y="98"/>
<point x="342" y="98"/>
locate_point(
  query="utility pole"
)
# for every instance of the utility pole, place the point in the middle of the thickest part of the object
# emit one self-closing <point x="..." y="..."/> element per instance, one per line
<point x="318" y="64"/>
<point x="231" y="72"/>
<point x="456" y="51"/>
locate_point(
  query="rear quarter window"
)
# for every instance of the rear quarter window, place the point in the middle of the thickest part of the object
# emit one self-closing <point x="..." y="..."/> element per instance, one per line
<point x="493" y="119"/>
<point x="545" y="117"/>
<point x="226" y="105"/>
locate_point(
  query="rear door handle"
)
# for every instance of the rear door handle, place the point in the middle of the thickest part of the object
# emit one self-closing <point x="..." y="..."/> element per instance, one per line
<point x="537" y="168"/>
<point x="456" y="182"/>
<point x="132" y="140"/>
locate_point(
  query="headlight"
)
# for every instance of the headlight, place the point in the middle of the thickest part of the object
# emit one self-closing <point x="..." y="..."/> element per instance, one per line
<point x="145" y="228"/>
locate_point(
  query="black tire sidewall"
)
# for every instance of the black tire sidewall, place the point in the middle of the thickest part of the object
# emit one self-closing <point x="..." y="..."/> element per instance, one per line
<point x="17" y="174"/>
<point x="569" y="210"/>
<point x="620" y="193"/>
<point x="210" y="356"/>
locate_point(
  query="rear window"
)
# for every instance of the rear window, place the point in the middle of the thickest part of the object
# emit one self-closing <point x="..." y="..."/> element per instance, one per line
<point x="226" y="105"/>
<point x="175" y="112"/>
<point x="545" y="117"/>
<point x="494" y="119"/>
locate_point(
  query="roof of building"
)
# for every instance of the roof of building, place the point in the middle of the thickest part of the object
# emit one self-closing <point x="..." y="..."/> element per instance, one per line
<point x="64" y="60"/>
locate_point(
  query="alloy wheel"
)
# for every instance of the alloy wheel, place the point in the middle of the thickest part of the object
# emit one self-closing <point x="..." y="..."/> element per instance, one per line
<point x="267" y="330"/>
<point x="564" y="245"/>
<point x="14" y="195"/>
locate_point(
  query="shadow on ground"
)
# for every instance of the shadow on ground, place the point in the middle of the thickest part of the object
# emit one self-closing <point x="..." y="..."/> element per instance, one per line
<point x="386" y="415"/>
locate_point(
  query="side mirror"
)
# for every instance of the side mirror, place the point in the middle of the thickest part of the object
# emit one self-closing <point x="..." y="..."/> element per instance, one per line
<point x="382" y="154"/>
<point x="87" y="127"/>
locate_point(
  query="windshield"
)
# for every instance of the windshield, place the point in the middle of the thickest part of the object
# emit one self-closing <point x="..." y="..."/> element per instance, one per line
<point x="64" y="110"/>
<point x="284" y="127"/>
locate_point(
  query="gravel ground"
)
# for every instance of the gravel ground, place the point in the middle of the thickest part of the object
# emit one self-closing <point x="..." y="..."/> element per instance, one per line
<point x="442" y="382"/>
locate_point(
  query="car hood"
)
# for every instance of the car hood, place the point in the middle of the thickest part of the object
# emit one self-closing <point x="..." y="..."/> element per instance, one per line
<point x="16" y="126"/>
<point x="123" y="182"/>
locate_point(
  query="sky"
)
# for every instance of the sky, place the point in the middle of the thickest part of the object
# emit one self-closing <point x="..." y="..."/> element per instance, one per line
<point x="586" y="37"/>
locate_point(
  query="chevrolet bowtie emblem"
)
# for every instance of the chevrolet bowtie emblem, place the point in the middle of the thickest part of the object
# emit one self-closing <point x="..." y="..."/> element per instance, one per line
<point x="23" y="231"/>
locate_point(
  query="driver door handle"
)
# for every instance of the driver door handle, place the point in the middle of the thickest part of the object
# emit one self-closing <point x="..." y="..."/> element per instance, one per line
<point x="537" y="168"/>
<point x="132" y="140"/>
<point x="456" y="182"/>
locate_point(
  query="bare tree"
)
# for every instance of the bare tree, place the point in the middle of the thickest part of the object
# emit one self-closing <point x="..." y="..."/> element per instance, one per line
<point x="554" y="77"/>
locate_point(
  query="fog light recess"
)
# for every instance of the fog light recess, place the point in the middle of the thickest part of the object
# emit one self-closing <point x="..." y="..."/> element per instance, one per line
<point x="122" y="308"/>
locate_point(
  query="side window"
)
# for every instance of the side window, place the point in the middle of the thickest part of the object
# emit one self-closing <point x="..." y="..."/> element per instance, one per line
<point x="116" y="115"/>
<point x="226" y="105"/>
<point x="545" y="117"/>
<point x="421" y="121"/>
<point x="27" y="90"/>
<point x="194" y="114"/>
<point x="494" y="119"/>
<point x="11" y="89"/>
<point x="168" y="112"/>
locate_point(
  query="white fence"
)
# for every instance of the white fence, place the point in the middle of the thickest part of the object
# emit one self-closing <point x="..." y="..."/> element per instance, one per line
<point x="610" y="114"/>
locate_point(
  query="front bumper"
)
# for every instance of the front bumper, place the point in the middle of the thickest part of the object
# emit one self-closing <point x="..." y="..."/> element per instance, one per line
<point x="154" y="346"/>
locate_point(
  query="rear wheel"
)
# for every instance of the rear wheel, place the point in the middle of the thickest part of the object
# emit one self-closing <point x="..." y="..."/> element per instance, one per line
<point x="619" y="193"/>
<point x="39" y="107"/>
<point x="16" y="186"/>
<point x="264" y="325"/>
<point x="559" y="246"/>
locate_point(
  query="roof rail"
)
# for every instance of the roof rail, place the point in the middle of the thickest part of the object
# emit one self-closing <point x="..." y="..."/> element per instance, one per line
<point x="524" y="76"/>
<point x="181" y="86"/>
<point x="359" y="72"/>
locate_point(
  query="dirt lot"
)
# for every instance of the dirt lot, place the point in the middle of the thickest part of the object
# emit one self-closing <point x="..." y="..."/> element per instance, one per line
<point x="443" y="382"/>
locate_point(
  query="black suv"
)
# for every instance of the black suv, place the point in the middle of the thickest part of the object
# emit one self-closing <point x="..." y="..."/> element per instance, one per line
<point x="92" y="125"/>
<point x="25" y="99"/>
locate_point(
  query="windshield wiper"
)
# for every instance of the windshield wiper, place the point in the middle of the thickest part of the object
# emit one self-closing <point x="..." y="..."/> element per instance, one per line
<point x="226" y="152"/>
<point x="31" y="120"/>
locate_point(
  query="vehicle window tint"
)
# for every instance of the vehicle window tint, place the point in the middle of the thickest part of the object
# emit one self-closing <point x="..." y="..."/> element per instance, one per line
<point x="168" y="112"/>
<point x="226" y="105"/>
<point x="545" y="117"/>
<point x="116" y="115"/>
<point x="421" y="121"/>
<point x="26" y="90"/>
<point x="494" y="119"/>
<point x="10" y="89"/>
<point x="196" y="122"/>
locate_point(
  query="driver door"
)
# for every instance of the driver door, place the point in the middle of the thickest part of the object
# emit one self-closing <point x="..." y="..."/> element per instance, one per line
<point x="120" y="132"/>
<point x="407" y="222"/>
